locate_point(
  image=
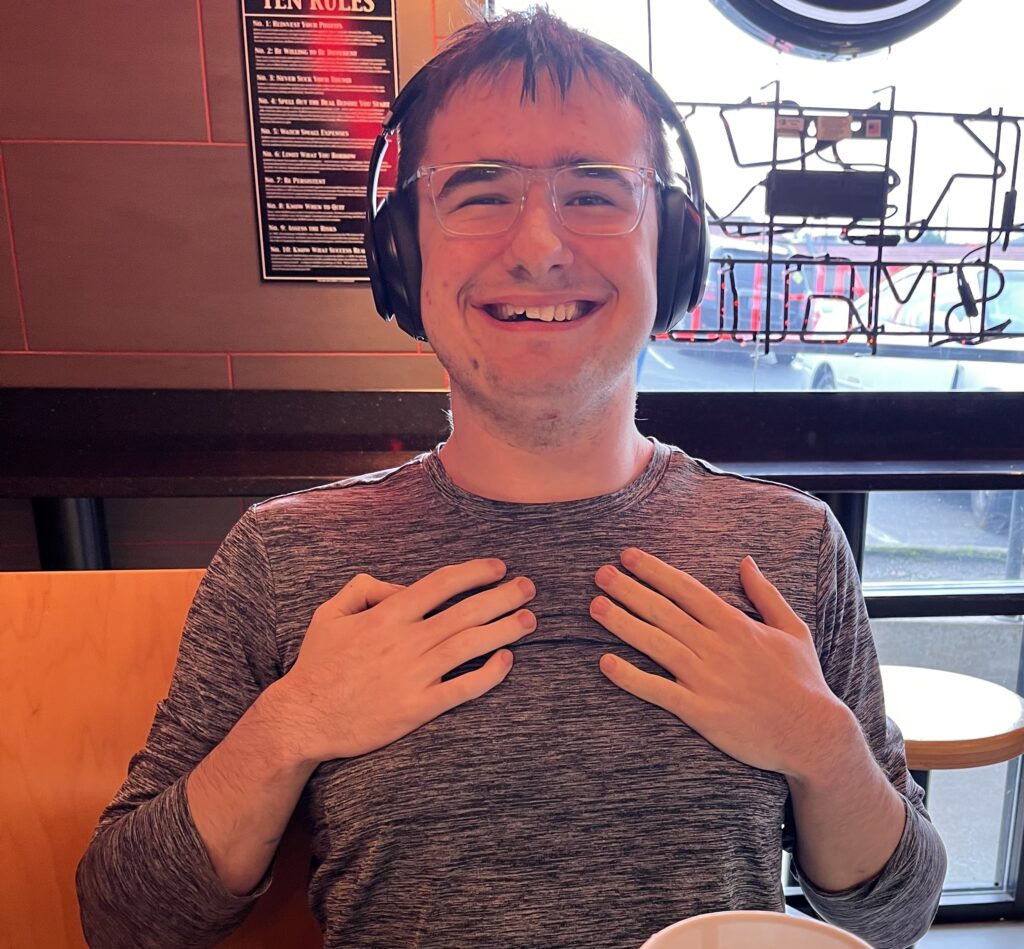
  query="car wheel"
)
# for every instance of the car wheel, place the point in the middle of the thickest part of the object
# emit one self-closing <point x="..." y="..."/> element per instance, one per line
<point x="824" y="379"/>
<point x="991" y="510"/>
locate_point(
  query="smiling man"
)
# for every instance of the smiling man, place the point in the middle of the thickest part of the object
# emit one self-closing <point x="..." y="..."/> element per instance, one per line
<point x="677" y="682"/>
<point x="543" y="407"/>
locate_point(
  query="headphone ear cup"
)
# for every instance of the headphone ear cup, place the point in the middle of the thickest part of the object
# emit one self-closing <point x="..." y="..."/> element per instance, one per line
<point x="674" y="264"/>
<point x="702" y="255"/>
<point x="378" y="243"/>
<point x="396" y="260"/>
<point x="682" y="259"/>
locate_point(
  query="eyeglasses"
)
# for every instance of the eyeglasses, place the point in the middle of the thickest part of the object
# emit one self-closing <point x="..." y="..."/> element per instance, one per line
<point x="480" y="199"/>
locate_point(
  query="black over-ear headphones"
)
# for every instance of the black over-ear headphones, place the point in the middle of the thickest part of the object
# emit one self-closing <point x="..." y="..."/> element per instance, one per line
<point x="392" y="242"/>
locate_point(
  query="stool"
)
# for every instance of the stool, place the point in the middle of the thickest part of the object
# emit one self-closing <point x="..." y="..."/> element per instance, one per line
<point x="950" y="720"/>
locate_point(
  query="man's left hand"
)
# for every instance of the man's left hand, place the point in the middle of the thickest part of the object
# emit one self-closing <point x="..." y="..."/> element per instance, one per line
<point x="753" y="689"/>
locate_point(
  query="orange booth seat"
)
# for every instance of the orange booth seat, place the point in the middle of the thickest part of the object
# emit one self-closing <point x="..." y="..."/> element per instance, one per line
<point x="84" y="658"/>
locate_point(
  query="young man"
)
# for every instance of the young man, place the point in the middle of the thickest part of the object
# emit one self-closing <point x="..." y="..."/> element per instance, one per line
<point x="668" y="708"/>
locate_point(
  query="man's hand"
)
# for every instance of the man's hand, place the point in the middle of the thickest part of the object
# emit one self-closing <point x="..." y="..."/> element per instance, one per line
<point x="756" y="691"/>
<point x="753" y="689"/>
<point x="370" y="668"/>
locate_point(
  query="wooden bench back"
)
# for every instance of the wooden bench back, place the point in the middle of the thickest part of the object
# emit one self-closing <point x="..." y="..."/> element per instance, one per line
<point x="84" y="658"/>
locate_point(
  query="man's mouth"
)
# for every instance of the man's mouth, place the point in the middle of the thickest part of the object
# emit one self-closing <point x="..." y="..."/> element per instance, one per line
<point x="554" y="313"/>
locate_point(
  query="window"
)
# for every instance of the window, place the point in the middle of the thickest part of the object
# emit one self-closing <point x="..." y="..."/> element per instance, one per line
<point x="977" y="836"/>
<point x="930" y="545"/>
<point x="939" y="540"/>
<point x="698" y="56"/>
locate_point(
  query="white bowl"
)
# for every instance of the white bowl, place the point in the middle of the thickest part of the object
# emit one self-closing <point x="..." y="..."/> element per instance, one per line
<point x="752" y="929"/>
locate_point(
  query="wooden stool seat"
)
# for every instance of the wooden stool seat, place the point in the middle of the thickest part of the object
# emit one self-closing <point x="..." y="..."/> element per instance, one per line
<point x="950" y="720"/>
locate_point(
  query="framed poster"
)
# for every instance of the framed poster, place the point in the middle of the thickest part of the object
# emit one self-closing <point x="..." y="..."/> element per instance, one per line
<point x="321" y="75"/>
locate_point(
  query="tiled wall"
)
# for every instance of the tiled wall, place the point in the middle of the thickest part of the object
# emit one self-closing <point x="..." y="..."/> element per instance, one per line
<point x="129" y="253"/>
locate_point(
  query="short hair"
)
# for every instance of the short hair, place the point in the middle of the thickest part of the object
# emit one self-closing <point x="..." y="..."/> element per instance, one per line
<point x="539" y="41"/>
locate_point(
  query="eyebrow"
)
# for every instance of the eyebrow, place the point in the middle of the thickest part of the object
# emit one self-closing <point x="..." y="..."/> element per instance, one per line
<point x="609" y="174"/>
<point x="563" y="158"/>
<point x="468" y="175"/>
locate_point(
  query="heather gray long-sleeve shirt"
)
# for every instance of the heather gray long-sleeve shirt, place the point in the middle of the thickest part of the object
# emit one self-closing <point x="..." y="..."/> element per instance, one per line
<point x="554" y="811"/>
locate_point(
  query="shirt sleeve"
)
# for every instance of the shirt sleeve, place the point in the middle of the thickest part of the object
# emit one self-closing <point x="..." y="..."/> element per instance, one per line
<point x="146" y="878"/>
<point x="896" y="907"/>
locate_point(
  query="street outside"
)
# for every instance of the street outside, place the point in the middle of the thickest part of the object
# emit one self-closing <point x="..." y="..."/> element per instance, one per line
<point x="672" y="366"/>
<point x="669" y="365"/>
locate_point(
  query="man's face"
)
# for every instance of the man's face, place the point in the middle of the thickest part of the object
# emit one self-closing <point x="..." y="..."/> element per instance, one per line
<point x="561" y="367"/>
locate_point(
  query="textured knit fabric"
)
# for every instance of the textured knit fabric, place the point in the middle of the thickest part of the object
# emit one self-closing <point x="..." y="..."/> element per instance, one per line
<point x="554" y="811"/>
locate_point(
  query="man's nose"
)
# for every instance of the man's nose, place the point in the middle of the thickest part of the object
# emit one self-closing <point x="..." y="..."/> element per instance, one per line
<point x="537" y="244"/>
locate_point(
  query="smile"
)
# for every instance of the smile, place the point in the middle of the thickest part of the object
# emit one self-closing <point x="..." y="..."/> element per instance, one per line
<point x="525" y="313"/>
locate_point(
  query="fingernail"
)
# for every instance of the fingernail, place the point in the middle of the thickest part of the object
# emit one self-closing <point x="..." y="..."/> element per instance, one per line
<point x="608" y="662"/>
<point x="526" y="619"/>
<point x="754" y="564"/>
<point x="599" y="605"/>
<point x="526" y="586"/>
<point x="606" y="574"/>
<point x="630" y="557"/>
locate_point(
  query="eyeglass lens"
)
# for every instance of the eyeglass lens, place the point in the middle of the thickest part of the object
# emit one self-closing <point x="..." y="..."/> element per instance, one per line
<point x="478" y="199"/>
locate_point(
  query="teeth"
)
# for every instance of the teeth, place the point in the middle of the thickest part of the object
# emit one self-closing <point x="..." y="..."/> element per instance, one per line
<point x="558" y="313"/>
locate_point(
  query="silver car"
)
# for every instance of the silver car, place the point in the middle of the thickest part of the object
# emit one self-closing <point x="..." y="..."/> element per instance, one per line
<point x="921" y="346"/>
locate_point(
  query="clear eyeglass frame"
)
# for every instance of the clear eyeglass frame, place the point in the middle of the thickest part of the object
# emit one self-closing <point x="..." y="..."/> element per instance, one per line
<point x="526" y="177"/>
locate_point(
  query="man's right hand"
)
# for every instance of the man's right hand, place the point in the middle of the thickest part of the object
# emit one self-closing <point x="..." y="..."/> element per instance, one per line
<point x="369" y="672"/>
<point x="370" y="667"/>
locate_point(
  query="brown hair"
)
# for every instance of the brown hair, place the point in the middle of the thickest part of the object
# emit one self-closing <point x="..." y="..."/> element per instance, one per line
<point x="537" y="40"/>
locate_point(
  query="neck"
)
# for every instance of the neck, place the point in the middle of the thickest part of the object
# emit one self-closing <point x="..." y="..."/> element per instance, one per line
<point x="546" y="456"/>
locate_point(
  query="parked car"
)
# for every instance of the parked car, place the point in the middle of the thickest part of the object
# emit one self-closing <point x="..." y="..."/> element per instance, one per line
<point x="921" y="345"/>
<point x="740" y="310"/>
<point x="735" y="306"/>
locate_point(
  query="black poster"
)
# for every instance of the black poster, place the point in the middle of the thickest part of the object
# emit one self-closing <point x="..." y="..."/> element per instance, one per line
<point x="321" y="76"/>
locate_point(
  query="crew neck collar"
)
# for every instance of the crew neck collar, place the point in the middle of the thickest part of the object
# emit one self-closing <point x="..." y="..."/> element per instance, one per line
<point x="633" y="493"/>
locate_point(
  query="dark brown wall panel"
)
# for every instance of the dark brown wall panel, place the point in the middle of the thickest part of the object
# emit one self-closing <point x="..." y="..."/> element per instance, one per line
<point x="18" y="559"/>
<point x="170" y="520"/>
<point x="10" y="322"/>
<point x="154" y="248"/>
<point x="225" y="70"/>
<point x="356" y="373"/>
<point x="102" y="69"/>
<point x="161" y="556"/>
<point x="17" y="536"/>
<point x="125" y="371"/>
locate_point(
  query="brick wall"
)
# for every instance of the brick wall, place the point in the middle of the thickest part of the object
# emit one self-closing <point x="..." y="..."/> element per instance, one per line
<point x="129" y="253"/>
